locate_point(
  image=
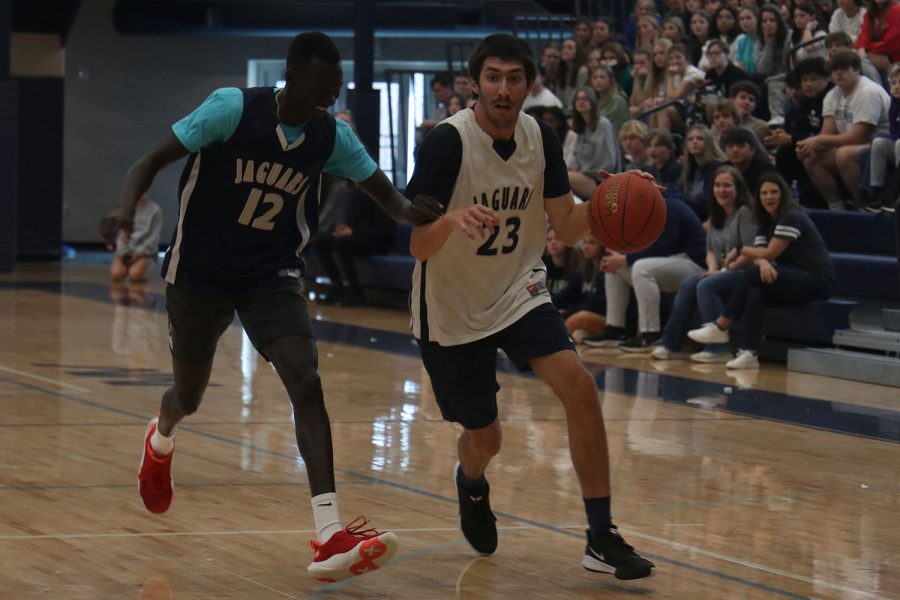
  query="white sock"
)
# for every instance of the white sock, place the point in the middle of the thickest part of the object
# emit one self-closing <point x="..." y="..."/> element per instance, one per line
<point x="162" y="445"/>
<point x="325" y="513"/>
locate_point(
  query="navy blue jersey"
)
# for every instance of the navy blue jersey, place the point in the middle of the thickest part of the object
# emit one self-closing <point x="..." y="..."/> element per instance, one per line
<point x="248" y="205"/>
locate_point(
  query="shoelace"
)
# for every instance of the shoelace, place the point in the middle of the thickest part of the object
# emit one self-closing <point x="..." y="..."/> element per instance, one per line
<point x="357" y="530"/>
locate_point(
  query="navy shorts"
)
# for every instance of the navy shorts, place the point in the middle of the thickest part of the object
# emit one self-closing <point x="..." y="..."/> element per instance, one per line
<point x="197" y="320"/>
<point x="464" y="377"/>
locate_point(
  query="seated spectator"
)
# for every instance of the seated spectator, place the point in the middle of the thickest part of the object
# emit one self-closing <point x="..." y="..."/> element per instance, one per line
<point x="745" y="94"/>
<point x="648" y="31"/>
<point x="723" y="115"/>
<point x="462" y="85"/>
<point x="742" y="150"/>
<point x="573" y="73"/>
<point x="677" y="254"/>
<point x="808" y="26"/>
<point x="848" y="18"/>
<point x="801" y="122"/>
<point x="561" y="261"/>
<point x="726" y="27"/>
<point x="610" y="102"/>
<point x="885" y="151"/>
<point x="456" y="103"/>
<point x="642" y="8"/>
<point x="682" y="80"/>
<point x="539" y="95"/>
<point x="731" y="227"/>
<point x="702" y="159"/>
<point x="368" y="230"/>
<point x="879" y="36"/>
<point x="773" y="44"/>
<point x="604" y="30"/>
<point x="699" y="34"/>
<point x="791" y="266"/>
<point x="661" y="152"/>
<point x="676" y="8"/>
<point x="581" y="31"/>
<point x="596" y="147"/>
<point x="838" y="41"/>
<point x="853" y="112"/>
<point x="643" y="64"/>
<point x="442" y="89"/>
<point x="582" y="301"/>
<point x="744" y="51"/>
<point x="613" y="56"/>
<point x="556" y="118"/>
<point x="633" y="137"/>
<point x="673" y="29"/>
<point x="550" y="61"/>
<point x="138" y="249"/>
<point x="722" y="74"/>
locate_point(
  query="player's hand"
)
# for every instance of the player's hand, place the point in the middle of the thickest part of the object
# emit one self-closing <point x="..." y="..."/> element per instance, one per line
<point x="342" y="231"/>
<point x="118" y="219"/>
<point x="612" y="262"/>
<point x="423" y="210"/>
<point x="605" y="174"/>
<point x="767" y="272"/>
<point x="475" y="218"/>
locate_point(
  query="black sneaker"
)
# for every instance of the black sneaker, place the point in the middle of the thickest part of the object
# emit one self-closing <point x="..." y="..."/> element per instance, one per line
<point x="642" y="342"/>
<point x="873" y="207"/>
<point x="611" y="338"/>
<point x="889" y="208"/>
<point x="611" y="554"/>
<point x="477" y="522"/>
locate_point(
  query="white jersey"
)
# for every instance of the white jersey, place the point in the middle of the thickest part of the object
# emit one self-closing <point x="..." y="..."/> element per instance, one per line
<point x="475" y="288"/>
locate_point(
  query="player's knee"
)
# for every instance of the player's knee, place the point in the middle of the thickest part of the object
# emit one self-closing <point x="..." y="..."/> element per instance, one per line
<point x="486" y="443"/>
<point x="188" y="400"/>
<point x="306" y="391"/>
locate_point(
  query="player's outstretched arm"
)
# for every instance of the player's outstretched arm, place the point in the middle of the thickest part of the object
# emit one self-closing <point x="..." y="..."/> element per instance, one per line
<point x="472" y="221"/>
<point x="569" y="220"/>
<point x="422" y="210"/>
<point x="141" y="174"/>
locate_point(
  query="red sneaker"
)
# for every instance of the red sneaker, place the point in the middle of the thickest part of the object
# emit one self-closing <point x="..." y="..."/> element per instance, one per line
<point x="155" y="476"/>
<point x="351" y="551"/>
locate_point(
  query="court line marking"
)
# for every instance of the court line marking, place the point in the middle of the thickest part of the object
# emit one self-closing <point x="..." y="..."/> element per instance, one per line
<point x="62" y="384"/>
<point x="410" y="489"/>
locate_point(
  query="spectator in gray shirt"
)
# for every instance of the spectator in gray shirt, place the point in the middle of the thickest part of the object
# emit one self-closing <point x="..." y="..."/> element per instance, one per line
<point x="136" y="251"/>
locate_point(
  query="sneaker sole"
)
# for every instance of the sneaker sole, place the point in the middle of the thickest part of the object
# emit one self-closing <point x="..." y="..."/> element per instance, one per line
<point x="153" y="422"/>
<point x="606" y="344"/>
<point x="711" y="360"/>
<point x="369" y="555"/>
<point x="636" y="350"/>
<point x="597" y="566"/>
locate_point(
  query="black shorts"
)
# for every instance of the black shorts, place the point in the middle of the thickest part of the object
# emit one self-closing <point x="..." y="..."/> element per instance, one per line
<point x="197" y="320"/>
<point x="464" y="377"/>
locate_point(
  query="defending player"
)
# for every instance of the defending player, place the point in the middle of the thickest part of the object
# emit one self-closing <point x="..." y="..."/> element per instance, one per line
<point x="479" y="285"/>
<point x="248" y="206"/>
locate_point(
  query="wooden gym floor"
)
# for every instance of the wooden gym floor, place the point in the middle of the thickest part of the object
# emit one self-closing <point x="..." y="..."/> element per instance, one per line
<point x="764" y="485"/>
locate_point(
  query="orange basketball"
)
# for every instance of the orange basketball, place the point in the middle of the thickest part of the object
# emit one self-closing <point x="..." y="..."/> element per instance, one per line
<point x="627" y="213"/>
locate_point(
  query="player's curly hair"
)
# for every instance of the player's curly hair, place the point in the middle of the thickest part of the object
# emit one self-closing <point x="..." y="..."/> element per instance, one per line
<point x="505" y="47"/>
<point x="309" y="46"/>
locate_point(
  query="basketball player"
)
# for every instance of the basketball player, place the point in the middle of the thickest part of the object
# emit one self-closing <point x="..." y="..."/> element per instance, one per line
<point x="479" y="285"/>
<point x="248" y="206"/>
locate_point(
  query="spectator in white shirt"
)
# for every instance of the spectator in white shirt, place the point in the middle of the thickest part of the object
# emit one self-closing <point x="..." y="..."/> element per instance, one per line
<point x="852" y="113"/>
<point x="847" y="18"/>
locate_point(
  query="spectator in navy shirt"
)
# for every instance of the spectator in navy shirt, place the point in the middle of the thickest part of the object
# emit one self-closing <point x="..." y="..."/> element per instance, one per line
<point x="791" y="266"/>
<point x="679" y="253"/>
<point x="583" y="301"/>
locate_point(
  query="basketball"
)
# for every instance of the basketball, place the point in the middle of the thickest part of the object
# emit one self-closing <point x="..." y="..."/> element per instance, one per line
<point x="626" y="213"/>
